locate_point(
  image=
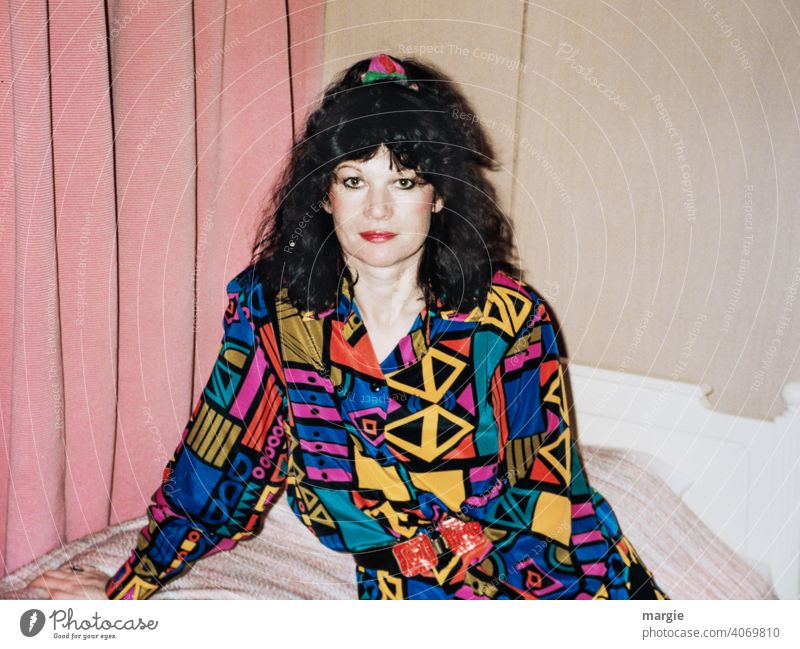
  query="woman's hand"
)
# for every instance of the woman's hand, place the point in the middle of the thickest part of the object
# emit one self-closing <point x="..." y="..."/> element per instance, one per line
<point x="70" y="583"/>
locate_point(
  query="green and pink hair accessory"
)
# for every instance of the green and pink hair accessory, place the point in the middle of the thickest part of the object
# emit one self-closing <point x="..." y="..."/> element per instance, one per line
<point x="383" y="67"/>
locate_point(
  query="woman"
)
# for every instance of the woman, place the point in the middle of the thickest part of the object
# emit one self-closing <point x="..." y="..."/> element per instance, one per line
<point x="403" y="384"/>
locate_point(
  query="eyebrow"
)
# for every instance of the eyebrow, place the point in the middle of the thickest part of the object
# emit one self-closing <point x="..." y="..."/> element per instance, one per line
<point x="397" y="171"/>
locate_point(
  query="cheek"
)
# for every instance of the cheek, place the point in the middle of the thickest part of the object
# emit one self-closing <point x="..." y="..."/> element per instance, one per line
<point x="340" y="200"/>
<point x="423" y="220"/>
<point x="344" y="208"/>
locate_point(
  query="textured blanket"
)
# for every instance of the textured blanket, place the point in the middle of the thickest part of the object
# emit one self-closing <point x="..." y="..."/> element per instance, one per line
<point x="286" y="562"/>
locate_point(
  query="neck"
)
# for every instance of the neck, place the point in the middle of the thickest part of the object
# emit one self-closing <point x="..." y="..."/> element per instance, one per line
<point x="385" y="295"/>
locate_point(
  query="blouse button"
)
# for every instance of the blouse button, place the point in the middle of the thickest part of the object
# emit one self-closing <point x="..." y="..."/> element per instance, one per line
<point x="375" y="386"/>
<point x="382" y="458"/>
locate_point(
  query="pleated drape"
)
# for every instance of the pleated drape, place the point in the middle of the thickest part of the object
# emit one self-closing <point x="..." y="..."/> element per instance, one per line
<point x="138" y="141"/>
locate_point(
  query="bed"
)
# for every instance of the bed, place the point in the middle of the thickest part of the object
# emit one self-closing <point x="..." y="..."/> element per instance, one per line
<point x="286" y="562"/>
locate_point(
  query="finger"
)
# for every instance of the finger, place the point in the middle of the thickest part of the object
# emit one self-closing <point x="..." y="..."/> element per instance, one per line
<point x="69" y="574"/>
<point x="49" y="593"/>
<point x="84" y="571"/>
<point x="57" y="572"/>
<point x="63" y="594"/>
<point x="50" y="578"/>
<point x="42" y="581"/>
<point x="66" y="578"/>
<point x="44" y="594"/>
<point x="75" y="569"/>
<point x="54" y="582"/>
<point x="80" y="593"/>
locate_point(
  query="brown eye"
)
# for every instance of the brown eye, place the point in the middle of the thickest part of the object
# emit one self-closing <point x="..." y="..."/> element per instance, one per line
<point x="409" y="183"/>
<point x="349" y="178"/>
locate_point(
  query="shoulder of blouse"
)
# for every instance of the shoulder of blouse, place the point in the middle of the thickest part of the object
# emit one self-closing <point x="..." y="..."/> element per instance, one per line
<point x="530" y="300"/>
<point x="248" y="289"/>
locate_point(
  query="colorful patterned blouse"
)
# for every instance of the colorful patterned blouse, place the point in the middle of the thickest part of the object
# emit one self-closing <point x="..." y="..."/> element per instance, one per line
<point x="467" y="416"/>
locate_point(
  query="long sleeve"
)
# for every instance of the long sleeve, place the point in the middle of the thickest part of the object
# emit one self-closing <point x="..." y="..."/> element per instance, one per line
<point x="549" y="492"/>
<point x="229" y="466"/>
<point x="536" y="442"/>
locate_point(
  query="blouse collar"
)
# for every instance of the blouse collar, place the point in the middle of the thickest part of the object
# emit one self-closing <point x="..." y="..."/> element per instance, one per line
<point x="346" y="312"/>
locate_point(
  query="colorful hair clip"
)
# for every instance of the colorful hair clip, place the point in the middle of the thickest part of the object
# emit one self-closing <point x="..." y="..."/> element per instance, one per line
<point x="383" y="67"/>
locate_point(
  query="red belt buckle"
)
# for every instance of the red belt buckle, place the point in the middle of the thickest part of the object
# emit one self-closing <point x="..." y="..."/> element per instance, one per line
<point x="461" y="537"/>
<point x="415" y="556"/>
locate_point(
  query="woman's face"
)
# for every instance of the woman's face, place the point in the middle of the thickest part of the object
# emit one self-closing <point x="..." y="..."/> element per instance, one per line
<point x="381" y="216"/>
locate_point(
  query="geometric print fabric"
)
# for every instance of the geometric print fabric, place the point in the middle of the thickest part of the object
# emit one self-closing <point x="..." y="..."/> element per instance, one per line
<point x="466" y="417"/>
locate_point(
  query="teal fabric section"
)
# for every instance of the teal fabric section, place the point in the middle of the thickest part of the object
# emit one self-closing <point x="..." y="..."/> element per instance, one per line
<point x="489" y="349"/>
<point x="359" y="531"/>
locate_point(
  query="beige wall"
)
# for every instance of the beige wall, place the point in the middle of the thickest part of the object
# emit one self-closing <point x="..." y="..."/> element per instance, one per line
<point x="671" y="250"/>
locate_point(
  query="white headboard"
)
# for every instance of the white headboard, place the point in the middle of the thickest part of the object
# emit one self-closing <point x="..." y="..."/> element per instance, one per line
<point x="741" y="476"/>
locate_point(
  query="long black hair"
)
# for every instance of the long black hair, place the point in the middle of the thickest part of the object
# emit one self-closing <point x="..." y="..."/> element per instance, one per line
<point x="433" y="131"/>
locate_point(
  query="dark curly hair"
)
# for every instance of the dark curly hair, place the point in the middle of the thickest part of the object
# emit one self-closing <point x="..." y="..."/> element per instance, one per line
<point x="424" y="130"/>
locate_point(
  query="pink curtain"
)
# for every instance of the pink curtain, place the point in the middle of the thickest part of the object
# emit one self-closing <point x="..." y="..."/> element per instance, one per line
<point x="138" y="142"/>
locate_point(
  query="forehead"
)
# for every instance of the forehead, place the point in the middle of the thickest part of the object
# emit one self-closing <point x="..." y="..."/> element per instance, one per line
<point x="371" y="166"/>
<point x="381" y="162"/>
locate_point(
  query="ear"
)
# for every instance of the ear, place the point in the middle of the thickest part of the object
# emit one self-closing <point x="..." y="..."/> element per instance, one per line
<point x="326" y="204"/>
<point x="438" y="204"/>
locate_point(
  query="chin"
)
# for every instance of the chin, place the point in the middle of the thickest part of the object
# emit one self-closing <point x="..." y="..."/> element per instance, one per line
<point x="380" y="261"/>
<point x="380" y="258"/>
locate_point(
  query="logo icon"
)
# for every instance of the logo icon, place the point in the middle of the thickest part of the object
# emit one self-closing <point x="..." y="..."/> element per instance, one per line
<point x="31" y="622"/>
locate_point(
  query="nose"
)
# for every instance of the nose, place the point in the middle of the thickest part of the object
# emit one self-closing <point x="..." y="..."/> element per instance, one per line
<point x="378" y="202"/>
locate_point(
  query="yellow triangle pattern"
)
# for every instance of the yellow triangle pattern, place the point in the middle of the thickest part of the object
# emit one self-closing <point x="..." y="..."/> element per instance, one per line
<point x="390" y="587"/>
<point x="507" y="309"/>
<point x="429" y="447"/>
<point x="435" y="382"/>
<point x="546" y="452"/>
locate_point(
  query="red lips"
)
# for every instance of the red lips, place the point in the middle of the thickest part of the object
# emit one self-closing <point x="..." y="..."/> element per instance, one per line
<point x="375" y="235"/>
